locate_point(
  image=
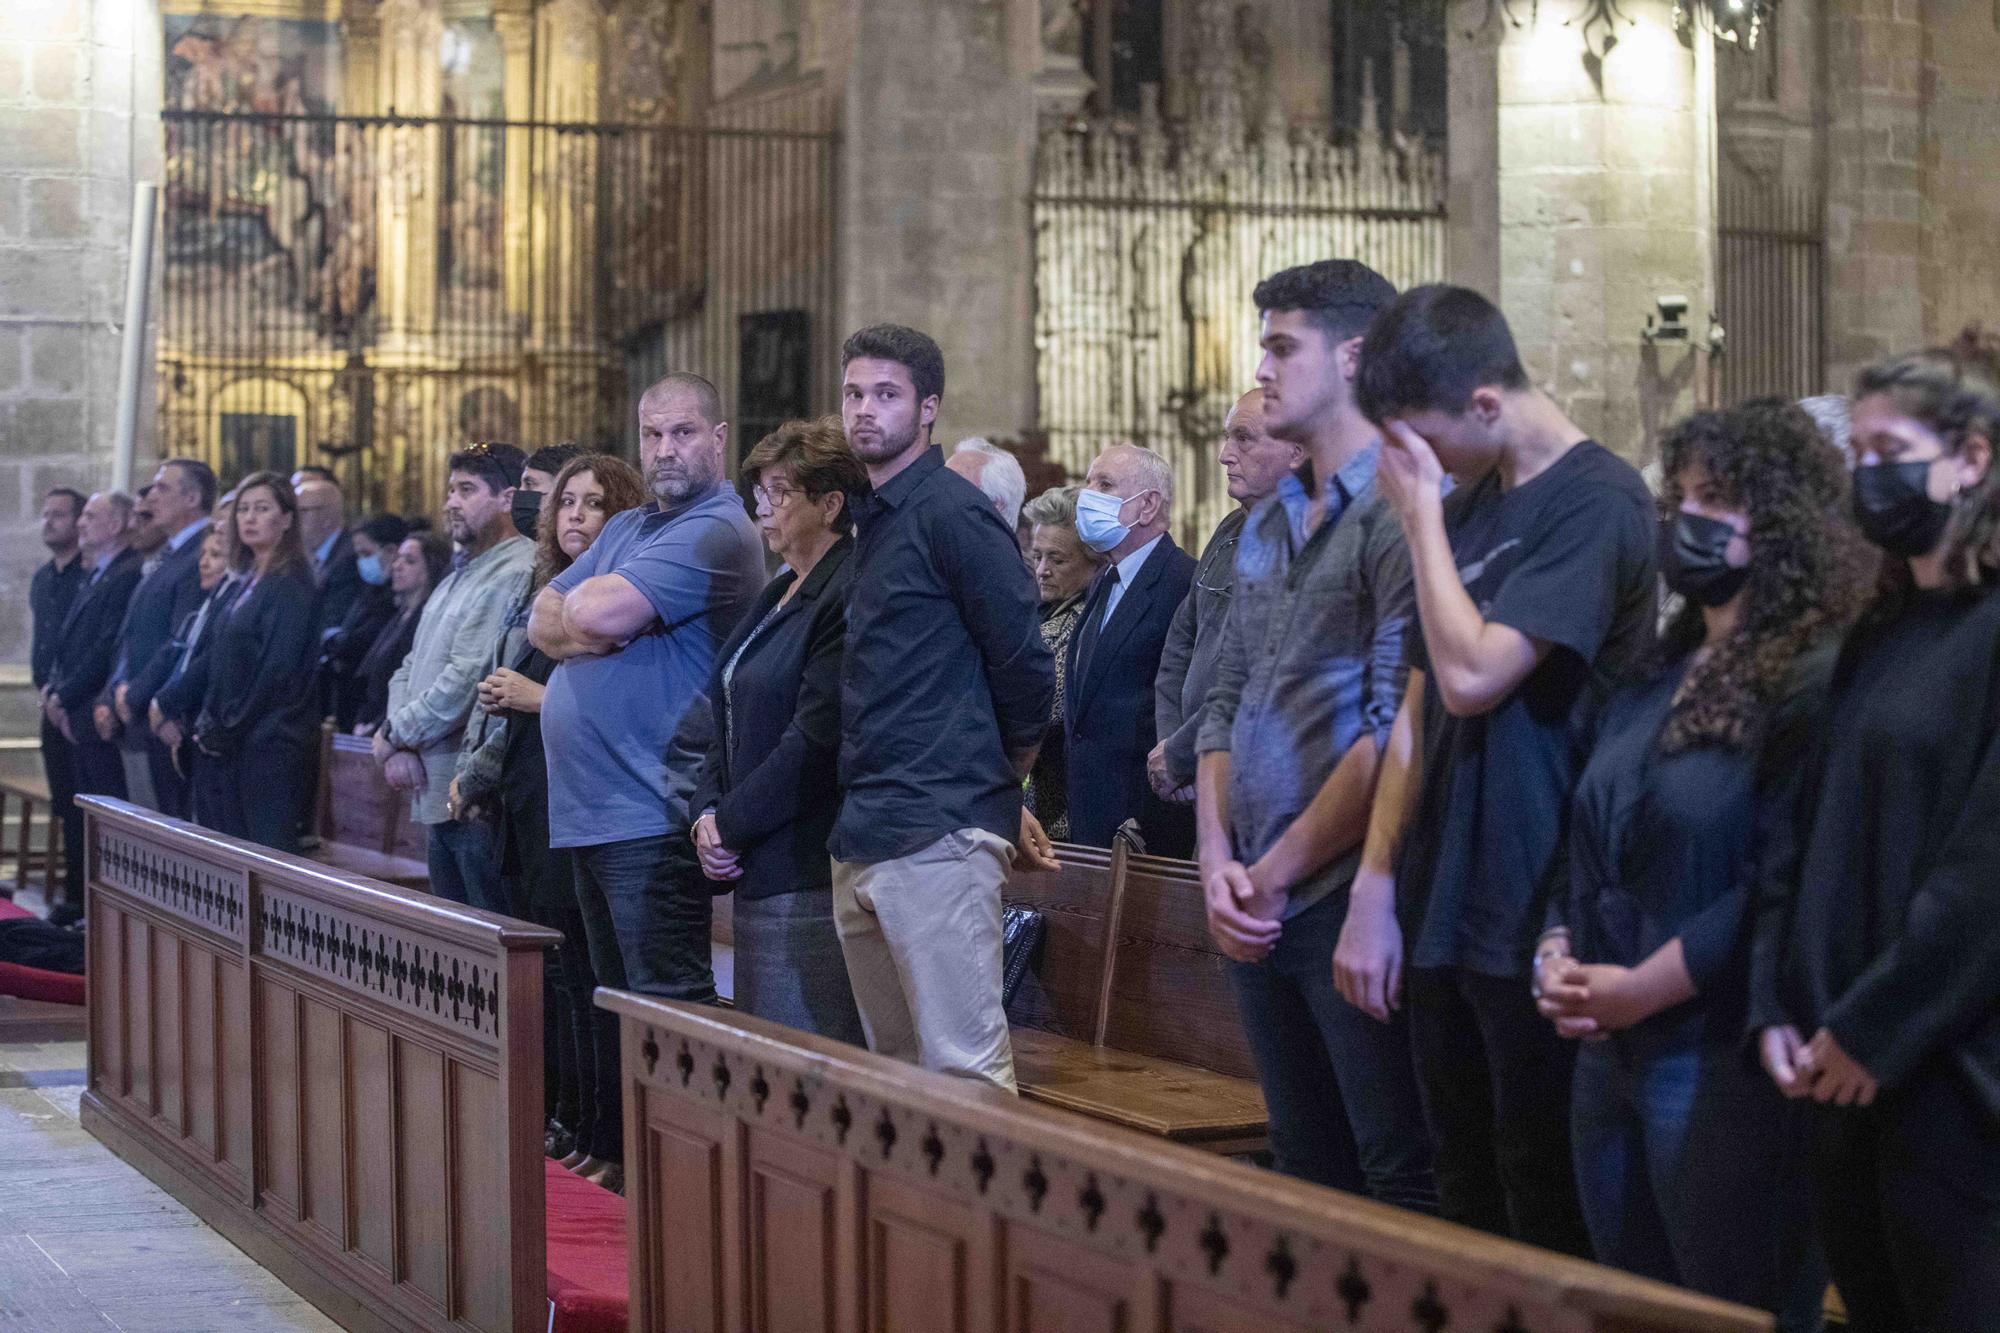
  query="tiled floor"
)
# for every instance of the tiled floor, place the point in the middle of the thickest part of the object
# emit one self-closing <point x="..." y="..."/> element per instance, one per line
<point x="86" y="1242"/>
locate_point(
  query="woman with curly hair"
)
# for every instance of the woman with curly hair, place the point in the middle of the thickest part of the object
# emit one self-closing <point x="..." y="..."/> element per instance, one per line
<point x="1686" y="1157"/>
<point x="1878" y="987"/>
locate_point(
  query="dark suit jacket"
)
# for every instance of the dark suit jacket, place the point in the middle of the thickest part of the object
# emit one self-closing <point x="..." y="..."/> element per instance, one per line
<point x="771" y="778"/>
<point x="88" y="641"/>
<point x="1108" y="715"/>
<point x="160" y="605"/>
<point x="258" y="669"/>
<point x="339" y="584"/>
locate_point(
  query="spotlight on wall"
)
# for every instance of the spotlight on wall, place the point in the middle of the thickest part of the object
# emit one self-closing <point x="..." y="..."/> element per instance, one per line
<point x="1743" y="22"/>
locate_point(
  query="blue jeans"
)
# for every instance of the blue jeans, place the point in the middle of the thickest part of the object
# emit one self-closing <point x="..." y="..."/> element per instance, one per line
<point x="1694" y="1169"/>
<point x="464" y="858"/>
<point x="1317" y="1054"/>
<point x="789" y="967"/>
<point x="646" y="917"/>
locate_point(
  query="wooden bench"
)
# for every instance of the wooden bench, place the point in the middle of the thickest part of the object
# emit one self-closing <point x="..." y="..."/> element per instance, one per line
<point x="363" y="823"/>
<point x="342" y="1076"/>
<point x="1128" y="1015"/>
<point x="30" y="792"/>
<point x="779" y="1180"/>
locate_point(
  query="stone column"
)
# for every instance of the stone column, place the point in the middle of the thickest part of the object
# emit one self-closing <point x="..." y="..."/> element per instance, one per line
<point x="80" y="90"/>
<point x="1602" y="171"/>
<point x="938" y="136"/>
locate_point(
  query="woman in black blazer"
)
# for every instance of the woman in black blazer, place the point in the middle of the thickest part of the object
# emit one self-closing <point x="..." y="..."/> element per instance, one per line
<point x="764" y="801"/>
<point x="259" y="714"/>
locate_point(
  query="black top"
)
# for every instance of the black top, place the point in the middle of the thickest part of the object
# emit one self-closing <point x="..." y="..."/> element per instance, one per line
<point x="945" y="677"/>
<point x="1566" y="558"/>
<point x="261" y="653"/>
<point x="341" y="654"/>
<point x="180" y="695"/>
<point x="339" y="583"/>
<point x="1877" y="920"/>
<point x="50" y="594"/>
<point x="392" y="644"/>
<point x="87" y="643"/>
<point x="1663" y="845"/>
<point x="160" y="605"/>
<point x="776" y="726"/>
<point x="524" y="772"/>
<point x="1108" y="720"/>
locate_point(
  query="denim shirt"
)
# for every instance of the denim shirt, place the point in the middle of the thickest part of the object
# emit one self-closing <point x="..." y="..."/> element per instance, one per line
<point x="1312" y="658"/>
<point x="432" y="693"/>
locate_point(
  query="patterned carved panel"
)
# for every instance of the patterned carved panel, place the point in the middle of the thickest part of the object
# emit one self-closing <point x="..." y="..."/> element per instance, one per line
<point x="181" y="886"/>
<point x="1245" y="1265"/>
<point x="440" y="984"/>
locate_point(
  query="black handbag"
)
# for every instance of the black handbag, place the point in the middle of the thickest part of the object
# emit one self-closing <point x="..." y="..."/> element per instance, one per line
<point x="1021" y="931"/>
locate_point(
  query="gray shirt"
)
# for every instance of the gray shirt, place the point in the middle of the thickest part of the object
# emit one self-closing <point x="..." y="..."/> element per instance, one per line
<point x="1194" y="644"/>
<point x="1312" y="659"/>
<point x="432" y="693"/>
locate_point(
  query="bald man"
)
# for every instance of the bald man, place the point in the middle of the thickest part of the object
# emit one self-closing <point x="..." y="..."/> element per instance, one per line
<point x="1253" y="462"/>
<point x="1123" y="513"/>
<point x="323" y="529"/>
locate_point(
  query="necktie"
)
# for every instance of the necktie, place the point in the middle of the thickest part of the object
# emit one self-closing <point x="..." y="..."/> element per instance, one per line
<point x="1094" y="626"/>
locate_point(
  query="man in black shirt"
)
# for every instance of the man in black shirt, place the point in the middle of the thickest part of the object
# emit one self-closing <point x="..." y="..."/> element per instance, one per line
<point x="50" y="597"/>
<point x="1536" y="589"/>
<point x="946" y="688"/>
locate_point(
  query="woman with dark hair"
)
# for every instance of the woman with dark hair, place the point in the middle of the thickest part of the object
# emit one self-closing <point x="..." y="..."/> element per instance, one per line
<point x="343" y="689"/>
<point x="257" y="723"/>
<point x="1688" y="1162"/>
<point x="502" y="770"/>
<point x="762" y="819"/>
<point x="421" y="562"/>
<point x="1877" y="989"/>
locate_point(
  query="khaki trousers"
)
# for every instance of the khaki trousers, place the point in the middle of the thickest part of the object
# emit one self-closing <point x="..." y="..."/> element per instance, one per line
<point x="921" y="935"/>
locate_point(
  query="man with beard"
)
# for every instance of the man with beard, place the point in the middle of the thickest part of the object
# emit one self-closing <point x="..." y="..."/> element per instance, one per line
<point x="432" y="693"/>
<point x="633" y="626"/>
<point x="946" y="689"/>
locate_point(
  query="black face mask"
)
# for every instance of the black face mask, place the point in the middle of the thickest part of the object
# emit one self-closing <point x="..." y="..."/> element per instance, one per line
<point x="527" y="512"/>
<point x="1694" y="559"/>
<point x="1893" y="506"/>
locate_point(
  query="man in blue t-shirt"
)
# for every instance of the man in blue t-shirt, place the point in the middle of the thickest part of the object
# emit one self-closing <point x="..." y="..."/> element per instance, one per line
<point x="634" y="626"/>
<point x="1535" y="585"/>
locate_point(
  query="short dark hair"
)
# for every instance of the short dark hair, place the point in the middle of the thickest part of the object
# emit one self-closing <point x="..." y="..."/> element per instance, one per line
<point x="710" y="402"/>
<point x="912" y="349"/>
<point x="1339" y="297"/>
<point x="1431" y="349"/>
<point x="201" y="476"/>
<point x="498" y="465"/>
<point x="383" y="529"/>
<point x="70" y="493"/>
<point x="551" y="458"/>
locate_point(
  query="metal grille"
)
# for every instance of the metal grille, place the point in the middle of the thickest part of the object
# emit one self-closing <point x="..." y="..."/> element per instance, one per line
<point x="1771" y="287"/>
<point x="368" y="292"/>
<point x="1147" y="248"/>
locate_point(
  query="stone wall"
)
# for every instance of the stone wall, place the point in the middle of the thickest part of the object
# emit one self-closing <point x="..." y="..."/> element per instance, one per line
<point x="79" y="103"/>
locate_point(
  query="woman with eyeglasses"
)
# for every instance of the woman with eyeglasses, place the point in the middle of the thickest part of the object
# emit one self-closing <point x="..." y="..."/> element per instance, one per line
<point x="1877" y="987"/>
<point x="1063" y="568"/>
<point x="764" y="801"/>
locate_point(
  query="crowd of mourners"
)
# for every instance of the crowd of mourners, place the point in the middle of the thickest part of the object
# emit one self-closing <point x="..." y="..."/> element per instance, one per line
<point x="1600" y="863"/>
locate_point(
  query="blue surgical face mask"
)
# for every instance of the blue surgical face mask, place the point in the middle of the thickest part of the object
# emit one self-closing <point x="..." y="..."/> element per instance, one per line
<point x="1097" y="522"/>
<point x="372" y="572"/>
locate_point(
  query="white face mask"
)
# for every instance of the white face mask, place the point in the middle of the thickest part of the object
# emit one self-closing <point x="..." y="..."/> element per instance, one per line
<point x="1097" y="524"/>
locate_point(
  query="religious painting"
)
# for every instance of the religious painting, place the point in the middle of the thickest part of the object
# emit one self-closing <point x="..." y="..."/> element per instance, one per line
<point x="774" y="351"/>
<point x="757" y="46"/>
<point x="473" y="70"/>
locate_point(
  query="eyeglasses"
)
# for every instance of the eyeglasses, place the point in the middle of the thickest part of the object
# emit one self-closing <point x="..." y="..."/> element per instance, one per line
<point x="1225" y="560"/>
<point x="775" y="497"/>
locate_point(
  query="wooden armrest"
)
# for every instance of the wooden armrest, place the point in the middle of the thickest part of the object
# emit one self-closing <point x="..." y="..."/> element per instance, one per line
<point x="1182" y="1103"/>
<point x="30" y="788"/>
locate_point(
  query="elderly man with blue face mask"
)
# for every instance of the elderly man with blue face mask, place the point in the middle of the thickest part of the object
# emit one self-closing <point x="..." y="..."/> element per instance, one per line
<point x="1123" y="512"/>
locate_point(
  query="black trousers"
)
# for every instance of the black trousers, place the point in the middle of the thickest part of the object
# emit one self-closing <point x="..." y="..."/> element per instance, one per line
<point x="98" y="769"/>
<point x="1910" y="1208"/>
<point x="169" y="787"/>
<point x="258" y="791"/>
<point x="59" y="766"/>
<point x="1495" y="1081"/>
<point x="580" y="1071"/>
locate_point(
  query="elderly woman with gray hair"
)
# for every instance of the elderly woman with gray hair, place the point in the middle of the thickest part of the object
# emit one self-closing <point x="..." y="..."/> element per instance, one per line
<point x="1063" y="568"/>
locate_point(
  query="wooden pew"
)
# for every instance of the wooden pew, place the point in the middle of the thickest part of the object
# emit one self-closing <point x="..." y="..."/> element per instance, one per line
<point x="341" y="1076"/>
<point x="778" y="1180"/>
<point x="1128" y="1014"/>
<point x="30" y="791"/>
<point x="364" y="824"/>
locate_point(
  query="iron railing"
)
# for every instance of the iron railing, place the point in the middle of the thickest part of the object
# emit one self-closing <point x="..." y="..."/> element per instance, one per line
<point x="366" y="292"/>
<point x="1771" y="290"/>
